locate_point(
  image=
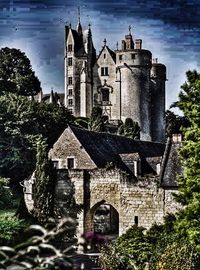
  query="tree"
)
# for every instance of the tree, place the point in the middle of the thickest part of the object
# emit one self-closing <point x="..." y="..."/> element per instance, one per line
<point x="188" y="222"/>
<point x="45" y="178"/>
<point x="130" y="129"/>
<point x="175" y="123"/>
<point x="96" y="122"/>
<point x="16" y="74"/>
<point x="22" y="121"/>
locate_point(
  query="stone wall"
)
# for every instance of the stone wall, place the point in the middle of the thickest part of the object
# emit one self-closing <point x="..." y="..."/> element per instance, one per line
<point x="141" y="202"/>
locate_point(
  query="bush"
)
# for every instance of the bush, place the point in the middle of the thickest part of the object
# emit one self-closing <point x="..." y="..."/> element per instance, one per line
<point x="10" y="227"/>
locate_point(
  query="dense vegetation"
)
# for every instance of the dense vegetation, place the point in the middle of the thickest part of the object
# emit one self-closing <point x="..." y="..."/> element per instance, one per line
<point x="16" y="74"/>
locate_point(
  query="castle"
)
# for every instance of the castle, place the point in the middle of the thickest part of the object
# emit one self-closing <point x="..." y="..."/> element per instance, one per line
<point x="118" y="181"/>
<point x="125" y="83"/>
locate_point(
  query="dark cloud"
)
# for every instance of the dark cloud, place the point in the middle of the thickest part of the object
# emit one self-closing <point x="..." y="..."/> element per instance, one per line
<point x="38" y="25"/>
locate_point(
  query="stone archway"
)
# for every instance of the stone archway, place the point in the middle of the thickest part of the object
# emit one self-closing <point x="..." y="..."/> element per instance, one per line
<point x="103" y="219"/>
<point x="106" y="220"/>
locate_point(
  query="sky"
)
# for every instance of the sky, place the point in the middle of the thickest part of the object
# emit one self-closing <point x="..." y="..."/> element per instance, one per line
<point x="170" y="29"/>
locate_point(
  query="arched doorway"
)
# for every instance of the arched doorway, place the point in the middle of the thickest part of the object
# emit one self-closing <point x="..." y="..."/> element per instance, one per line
<point x="106" y="220"/>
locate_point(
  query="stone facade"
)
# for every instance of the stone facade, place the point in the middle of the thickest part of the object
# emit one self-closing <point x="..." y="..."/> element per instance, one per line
<point x="142" y="201"/>
<point x="125" y="83"/>
<point x="133" y="179"/>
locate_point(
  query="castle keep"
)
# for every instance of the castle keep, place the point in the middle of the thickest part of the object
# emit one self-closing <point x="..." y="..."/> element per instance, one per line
<point x="125" y="83"/>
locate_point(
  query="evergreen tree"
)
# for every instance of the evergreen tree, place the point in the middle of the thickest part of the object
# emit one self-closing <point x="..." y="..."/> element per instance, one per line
<point x="189" y="183"/>
<point x="44" y="184"/>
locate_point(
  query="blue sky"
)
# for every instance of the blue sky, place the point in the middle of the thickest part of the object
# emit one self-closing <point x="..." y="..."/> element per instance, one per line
<point x="169" y="28"/>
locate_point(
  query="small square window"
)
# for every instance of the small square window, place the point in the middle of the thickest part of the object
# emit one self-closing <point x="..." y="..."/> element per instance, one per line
<point x="69" y="80"/>
<point x="70" y="163"/>
<point x="133" y="56"/>
<point x="104" y="71"/>
<point x="70" y="61"/>
<point x="120" y="57"/>
<point x="70" y="102"/>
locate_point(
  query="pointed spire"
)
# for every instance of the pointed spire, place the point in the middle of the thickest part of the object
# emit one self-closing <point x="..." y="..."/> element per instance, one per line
<point x="79" y="15"/>
<point x="117" y="45"/>
<point x="89" y="30"/>
<point x="79" y="27"/>
<point x="129" y="29"/>
<point x="105" y="41"/>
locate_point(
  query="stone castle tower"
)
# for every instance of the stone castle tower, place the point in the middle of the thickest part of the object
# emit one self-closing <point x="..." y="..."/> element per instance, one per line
<point x="125" y="83"/>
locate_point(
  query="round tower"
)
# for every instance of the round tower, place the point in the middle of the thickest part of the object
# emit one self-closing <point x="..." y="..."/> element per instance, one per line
<point x="133" y="66"/>
<point x="158" y="78"/>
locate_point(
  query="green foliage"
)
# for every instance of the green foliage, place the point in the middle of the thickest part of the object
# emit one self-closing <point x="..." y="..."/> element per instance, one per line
<point x="45" y="178"/>
<point x="175" y="123"/>
<point x="188" y="222"/>
<point x="16" y="73"/>
<point x="38" y="251"/>
<point x="96" y="122"/>
<point x="6" y="196"/>
<point x="130" y="129"/>
<point x="22" y="122"/>
<point x="130" y="251"/>
<point x="81" y="122"/>
<point x="10" y="226"/>
<point x="159" y="248"/>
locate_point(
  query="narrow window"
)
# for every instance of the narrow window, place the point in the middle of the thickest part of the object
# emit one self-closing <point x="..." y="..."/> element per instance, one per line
<point x="70" y="61"/>
<point x="70" y="48"/>
<point x="104" y="56"/>
<point x="105" y="96"/>
<point x="102" y="71"/>
<point x="120" y="57"/>
<point x="106" y="71"/>
<point x="70" y="102"/>
<point x="136" y="220"/>
<point x="70" y="92"/>
<point x="69" y="80"/>
<point x="70" y="163"/>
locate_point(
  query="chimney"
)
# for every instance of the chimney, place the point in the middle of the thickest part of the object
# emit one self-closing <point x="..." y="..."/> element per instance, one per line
<point x="123" y="45"/>
<point x="176" y="138"/>
<point x="138" y="44"/>
<point x="155" y="60"/>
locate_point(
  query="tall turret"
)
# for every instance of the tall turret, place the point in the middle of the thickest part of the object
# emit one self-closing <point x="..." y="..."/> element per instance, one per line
<point x="158" y="78"/>
<point x="133" y="77"/>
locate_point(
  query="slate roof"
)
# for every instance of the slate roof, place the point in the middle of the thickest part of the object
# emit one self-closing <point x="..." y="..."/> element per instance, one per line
<point x="171" y="165"/>
<point x="104" y="148"/>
